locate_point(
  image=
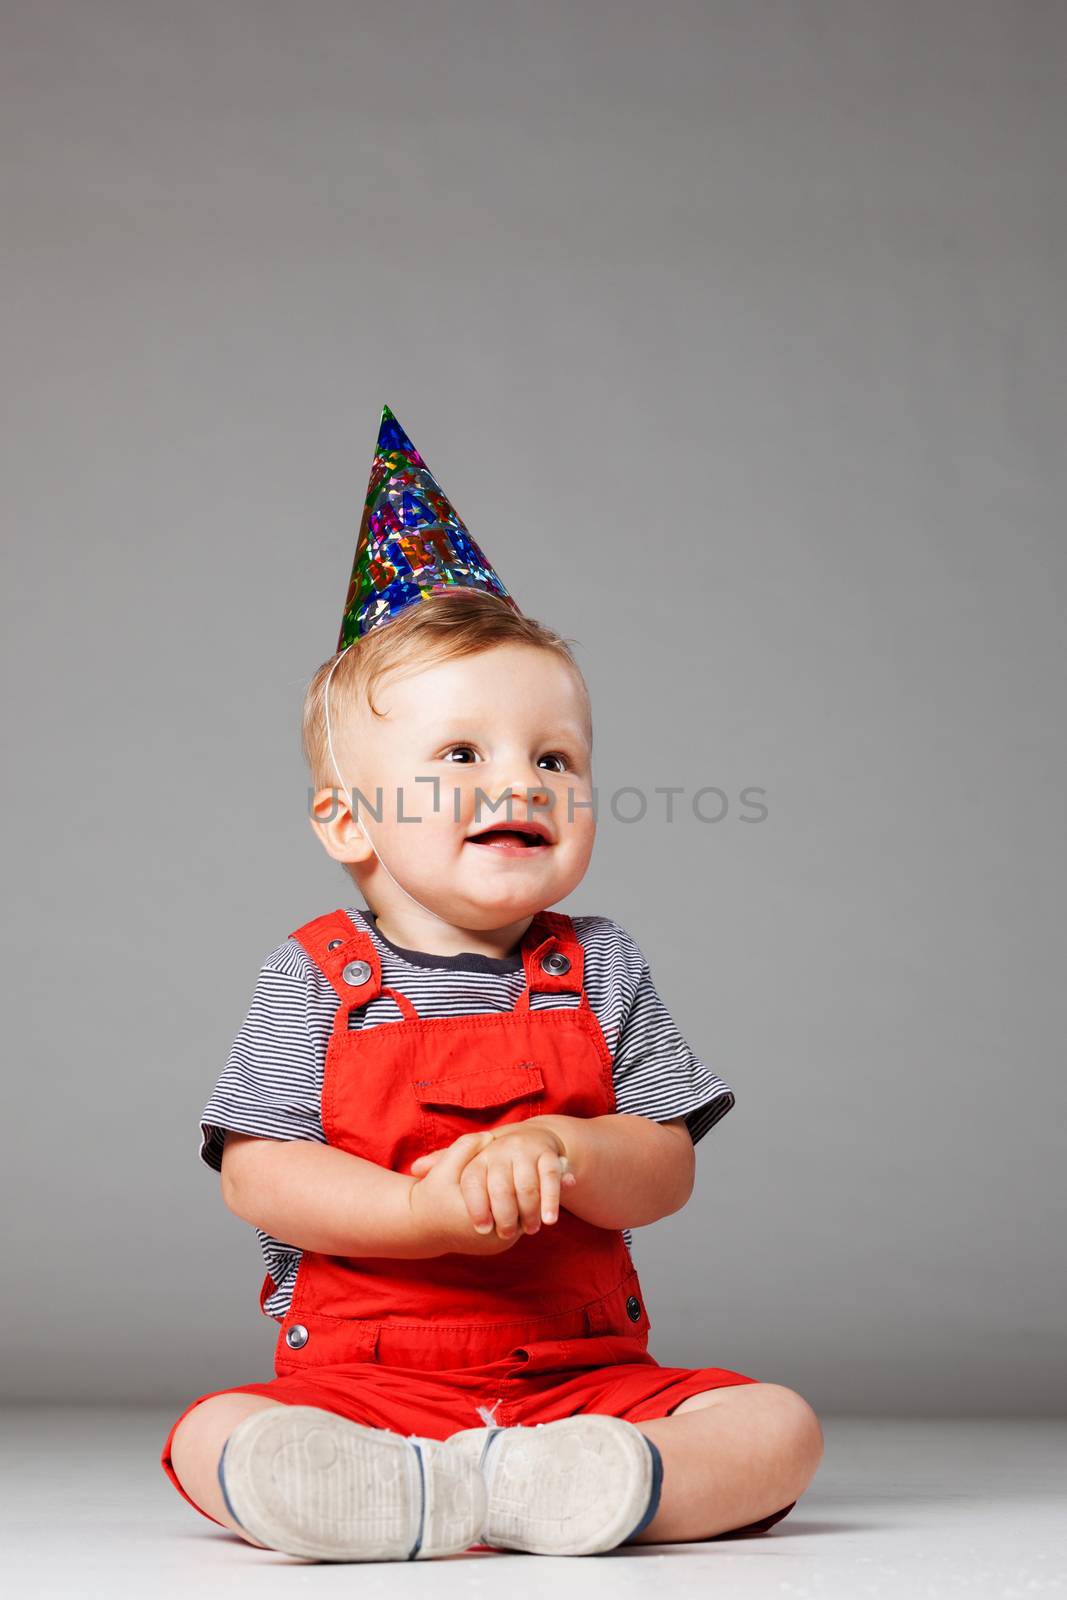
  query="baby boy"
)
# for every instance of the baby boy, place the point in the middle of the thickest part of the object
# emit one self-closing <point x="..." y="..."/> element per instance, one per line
<point x="445" y="1113"/>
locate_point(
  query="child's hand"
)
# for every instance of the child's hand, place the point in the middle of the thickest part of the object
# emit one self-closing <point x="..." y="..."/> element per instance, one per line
<point x="438" y="1206"/>
<point x="512" y="1180"/>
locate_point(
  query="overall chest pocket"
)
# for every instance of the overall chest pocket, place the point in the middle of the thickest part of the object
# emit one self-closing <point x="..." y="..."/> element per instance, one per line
<point x="456" y="1103"/>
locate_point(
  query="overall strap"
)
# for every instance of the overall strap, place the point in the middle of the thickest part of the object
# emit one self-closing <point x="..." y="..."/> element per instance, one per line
<point x="553" y="959"/>
<point x="347" y="957"/>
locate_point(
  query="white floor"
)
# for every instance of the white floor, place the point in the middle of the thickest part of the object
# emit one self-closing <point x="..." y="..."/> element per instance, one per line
<point x="899" y="1508"/>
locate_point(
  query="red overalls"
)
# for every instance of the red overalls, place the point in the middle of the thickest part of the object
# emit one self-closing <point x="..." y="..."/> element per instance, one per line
<point x="551" y="1328"/>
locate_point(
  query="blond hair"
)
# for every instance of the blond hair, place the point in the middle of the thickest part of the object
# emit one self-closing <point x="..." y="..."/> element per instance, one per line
<point x="463" y="622"/>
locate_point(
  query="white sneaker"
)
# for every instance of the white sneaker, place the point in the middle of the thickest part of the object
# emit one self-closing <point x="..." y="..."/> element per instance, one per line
<point x="311" y="1483"/>
<point x="569" y="1488"/>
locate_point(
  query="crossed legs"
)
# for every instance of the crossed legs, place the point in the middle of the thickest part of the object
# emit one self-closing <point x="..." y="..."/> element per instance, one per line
<point x="730" y="1457"/>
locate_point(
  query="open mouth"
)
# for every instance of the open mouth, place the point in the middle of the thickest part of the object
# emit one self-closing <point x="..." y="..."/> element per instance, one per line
<point x="515" y="841"/>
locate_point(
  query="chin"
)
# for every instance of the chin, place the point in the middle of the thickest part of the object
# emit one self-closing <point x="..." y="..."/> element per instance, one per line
<point x="500" y="912"/>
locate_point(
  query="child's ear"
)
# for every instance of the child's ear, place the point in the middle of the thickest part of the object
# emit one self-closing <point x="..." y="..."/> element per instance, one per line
<point x="330" y="815"/>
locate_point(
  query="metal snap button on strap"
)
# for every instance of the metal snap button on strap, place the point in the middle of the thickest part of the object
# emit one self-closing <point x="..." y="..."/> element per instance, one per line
<point x="296" y="1337"/>
<point x="633" y="1308"/>
<point x="333" y="944"/>
<point x="356" y="972"/>
<point x="556" y="963"/>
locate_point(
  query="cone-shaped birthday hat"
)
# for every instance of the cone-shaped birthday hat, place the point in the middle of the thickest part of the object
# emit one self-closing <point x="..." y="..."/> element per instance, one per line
<point x="411" y="543"/>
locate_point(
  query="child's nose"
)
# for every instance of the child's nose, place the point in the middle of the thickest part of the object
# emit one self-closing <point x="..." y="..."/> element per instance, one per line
<point x="531" y="789"/>
<point x="513" y="797"/>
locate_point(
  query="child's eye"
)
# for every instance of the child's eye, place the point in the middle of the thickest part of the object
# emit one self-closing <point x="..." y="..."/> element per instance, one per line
<point x="453" y="747"/>
<point x="561" y="759"/>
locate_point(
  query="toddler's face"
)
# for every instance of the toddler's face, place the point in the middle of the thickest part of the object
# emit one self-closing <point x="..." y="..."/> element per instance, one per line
<point x="508" y="722"/>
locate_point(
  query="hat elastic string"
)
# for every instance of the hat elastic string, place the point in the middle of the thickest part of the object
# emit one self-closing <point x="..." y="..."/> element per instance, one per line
<point x="356" y="818"/>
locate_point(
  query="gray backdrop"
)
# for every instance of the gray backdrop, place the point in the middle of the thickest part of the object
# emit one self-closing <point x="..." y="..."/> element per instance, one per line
<point x="736" y="332"/>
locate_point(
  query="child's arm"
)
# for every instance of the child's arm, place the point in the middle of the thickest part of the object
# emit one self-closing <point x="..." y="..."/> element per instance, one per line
<point x="317" y="1197"/>
<point x="623" y="1171"/>
<point x="630" y="1171"/>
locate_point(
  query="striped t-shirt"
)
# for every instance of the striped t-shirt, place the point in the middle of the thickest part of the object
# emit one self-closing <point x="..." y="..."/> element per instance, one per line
<point x="271" y="1084"/>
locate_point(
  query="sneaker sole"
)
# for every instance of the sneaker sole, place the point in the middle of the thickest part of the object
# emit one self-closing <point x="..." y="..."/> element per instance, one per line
<point x="313" y="1484"/>
<point x="575" y="1487"/>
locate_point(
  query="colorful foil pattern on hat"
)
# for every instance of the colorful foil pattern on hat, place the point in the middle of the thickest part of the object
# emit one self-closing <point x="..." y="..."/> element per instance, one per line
<point x="411" y="543"/>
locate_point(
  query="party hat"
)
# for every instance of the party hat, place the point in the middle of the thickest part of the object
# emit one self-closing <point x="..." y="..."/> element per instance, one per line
<point x="411" y="543"/>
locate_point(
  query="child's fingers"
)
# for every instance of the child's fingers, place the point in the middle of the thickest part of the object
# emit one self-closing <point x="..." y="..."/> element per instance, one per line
<point x="549" y="1167"/>
<point x="501" y="1186"/>
<point x="527" y="1180"/>
<point x="472" y="1186"/>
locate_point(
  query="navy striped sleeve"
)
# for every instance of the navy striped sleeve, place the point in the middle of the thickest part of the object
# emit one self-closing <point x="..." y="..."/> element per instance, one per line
<point x="271" y="1083"/>
<point x="657" y="1075"/>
